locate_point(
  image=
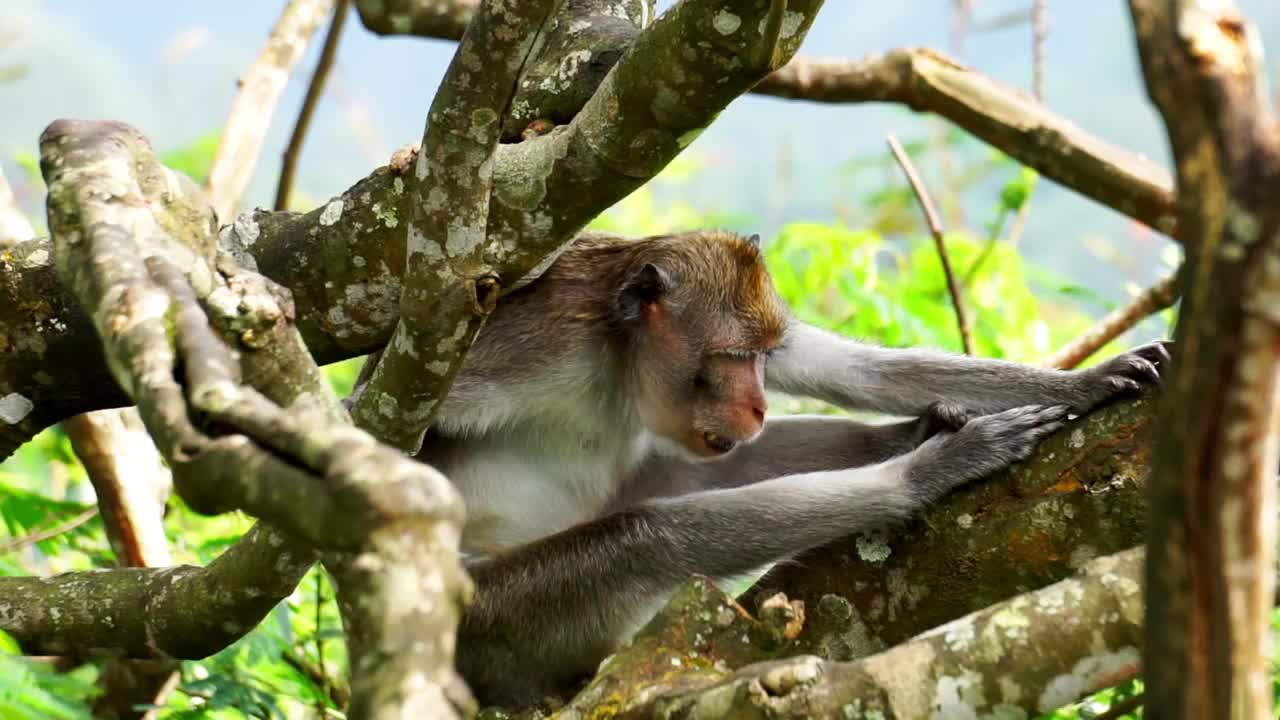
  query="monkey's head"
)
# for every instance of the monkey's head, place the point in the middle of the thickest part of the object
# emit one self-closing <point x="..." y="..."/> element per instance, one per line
<point x="700" y="315"/>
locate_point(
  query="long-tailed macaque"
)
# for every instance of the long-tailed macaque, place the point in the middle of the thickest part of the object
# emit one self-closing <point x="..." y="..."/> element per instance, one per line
<point x="608" y="434"/>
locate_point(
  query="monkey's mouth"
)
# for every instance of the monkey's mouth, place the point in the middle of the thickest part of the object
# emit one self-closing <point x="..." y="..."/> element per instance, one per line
<point x="718" y="444"/>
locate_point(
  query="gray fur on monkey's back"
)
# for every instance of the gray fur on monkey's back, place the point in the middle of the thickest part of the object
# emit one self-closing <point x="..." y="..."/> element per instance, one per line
<point x="605" y="433"/>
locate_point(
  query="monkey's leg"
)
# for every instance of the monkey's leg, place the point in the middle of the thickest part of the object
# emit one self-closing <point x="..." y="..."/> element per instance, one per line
<point x="549" y="611"/>
<point x="850" y="374"/>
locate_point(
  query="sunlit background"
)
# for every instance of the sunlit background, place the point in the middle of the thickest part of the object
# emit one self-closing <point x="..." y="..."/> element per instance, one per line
<point x="170" y="69"/>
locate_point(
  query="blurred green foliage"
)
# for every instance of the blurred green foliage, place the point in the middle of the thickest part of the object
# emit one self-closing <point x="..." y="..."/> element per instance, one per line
<point x="880" y="281"/>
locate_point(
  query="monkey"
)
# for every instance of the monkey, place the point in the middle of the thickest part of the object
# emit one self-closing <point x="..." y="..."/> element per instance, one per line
<point x="608" y="434"/>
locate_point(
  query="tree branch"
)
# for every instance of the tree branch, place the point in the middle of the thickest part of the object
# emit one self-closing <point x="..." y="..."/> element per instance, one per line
<point x="136" y="246"/>
<point x="448" y="228"/>
<point x="1212" y="540"/>
<point x="1081" y="495"/>
<point x="1014" y="123"/>
<point x="315" y="89"/>
<point x="939" y="241"/>
<point x="1066" y="641"/>
<point x="1146" y="303"/>
<point x="925" y="81"/>
<point x="255" y="104"/>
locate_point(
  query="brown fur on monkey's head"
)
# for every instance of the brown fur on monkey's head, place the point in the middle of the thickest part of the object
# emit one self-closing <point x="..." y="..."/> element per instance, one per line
<point x="697" y="314"/>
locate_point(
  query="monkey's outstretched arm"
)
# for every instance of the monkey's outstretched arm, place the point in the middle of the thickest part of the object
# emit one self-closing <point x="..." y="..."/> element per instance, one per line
<point x="819" y="364"/>
<point x="568" y="599"/>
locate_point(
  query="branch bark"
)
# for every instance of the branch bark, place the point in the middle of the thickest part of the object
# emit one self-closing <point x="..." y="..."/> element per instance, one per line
<point x="135" y="243"/>
<point x="1212" y="540"/>
<point x="925" y="81"/>
<point x="448" y="228"/>
<point x="1016" y="658"/>
<point x="1008" y="120"/>
<point x="1081" y="495"/>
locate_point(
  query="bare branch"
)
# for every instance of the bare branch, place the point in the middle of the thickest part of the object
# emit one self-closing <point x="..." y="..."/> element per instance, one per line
<point x="129" y="480"/>
<point x="1210" y="574"/>
<point x="939" y="240"/>
<point x="1009" y="121"/>
<point x="54" y="531"/>
<point x="314" y="90"/>
<point x="1146" y="303"/>
<point x="255" y="104"/>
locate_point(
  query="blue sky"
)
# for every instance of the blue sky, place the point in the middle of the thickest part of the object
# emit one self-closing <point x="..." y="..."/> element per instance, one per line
<point x="170" y="69"/>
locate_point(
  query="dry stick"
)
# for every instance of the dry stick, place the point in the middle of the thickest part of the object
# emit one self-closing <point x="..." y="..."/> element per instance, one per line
<point x="314" y="91"/>
<point x="1148" y="302"/>
<point x="255" y="103"/>
<point x="66" y="526"/>
<point x="935" y="229"/>
<point x="1039" y="29"/>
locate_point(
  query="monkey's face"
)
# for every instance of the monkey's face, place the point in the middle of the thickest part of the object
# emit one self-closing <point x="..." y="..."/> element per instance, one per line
<point x="701" y="336"/>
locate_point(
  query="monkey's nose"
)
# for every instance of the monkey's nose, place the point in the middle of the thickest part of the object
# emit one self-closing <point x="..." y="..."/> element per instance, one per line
<point x="758" y="413"/>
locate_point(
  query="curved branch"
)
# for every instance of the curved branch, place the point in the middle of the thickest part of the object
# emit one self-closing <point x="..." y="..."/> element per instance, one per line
<point x="181" y="612"/>
<point x="927" y="81"/>
<point x="448" y="288"/>
<point x="181" y="323"/>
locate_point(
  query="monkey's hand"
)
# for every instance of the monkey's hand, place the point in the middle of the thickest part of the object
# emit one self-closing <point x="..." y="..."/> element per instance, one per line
<point x="1124" y="374"/>
<point x="940" y="416"/>
<point x="982" y="446"/>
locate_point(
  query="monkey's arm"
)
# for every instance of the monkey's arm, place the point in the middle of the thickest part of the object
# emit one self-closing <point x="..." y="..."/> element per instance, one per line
<point x="819" y="364"/>
<point x="568" y="599"/>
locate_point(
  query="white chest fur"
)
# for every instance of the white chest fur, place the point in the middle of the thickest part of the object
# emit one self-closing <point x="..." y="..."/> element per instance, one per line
<point x="518" y="489"/>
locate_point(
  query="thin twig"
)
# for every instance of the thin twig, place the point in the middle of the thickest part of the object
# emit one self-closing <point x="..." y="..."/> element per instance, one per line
<point x="1122" y="708"/>
<point x="1039" y="29"/>
<point x="255" y="103"/>
<point x="314" y="91"/>
<point x="1148" y="302"/>
<point x="334" y="689"/>
<point x="66" y="526"/>
<point x="935" y="229"/>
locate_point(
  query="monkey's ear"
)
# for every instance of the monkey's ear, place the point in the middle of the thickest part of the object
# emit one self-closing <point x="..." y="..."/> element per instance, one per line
<point x="644" y="287"/>
<point x="754" y="239"/>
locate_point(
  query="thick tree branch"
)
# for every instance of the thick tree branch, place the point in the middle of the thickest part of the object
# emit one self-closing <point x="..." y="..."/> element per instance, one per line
<point x="181" y="612"/>
<point x="1017" y="658"/>
<point x="135" y="244"/>
<point x="923" y="80"/>
<point x="1081" y="495"/>
<point x="448" y="227"/>
<point x="445" y="19"/>
<point x="1212" y="539"/>
<point x="255" y="104"/>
